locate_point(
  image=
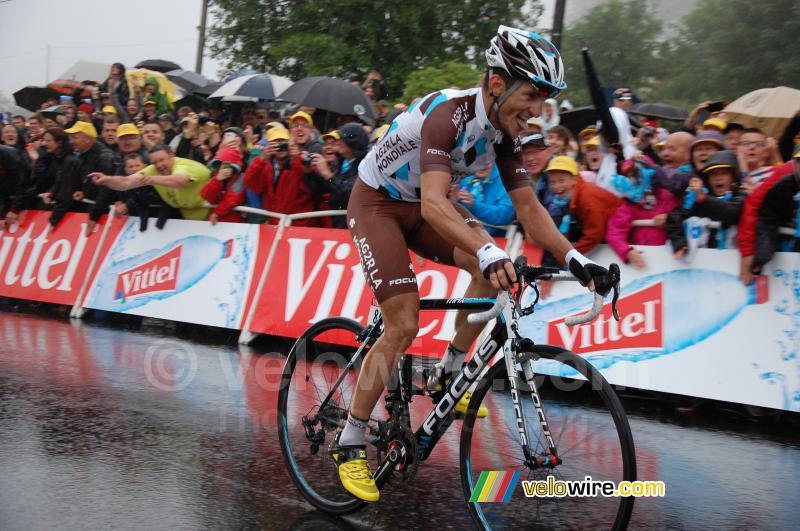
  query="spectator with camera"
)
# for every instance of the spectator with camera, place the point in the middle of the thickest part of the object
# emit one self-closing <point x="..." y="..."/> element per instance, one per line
<point x="277" y="174"/>
<point x="338" y="180"/>
<point x="226" y="188"/>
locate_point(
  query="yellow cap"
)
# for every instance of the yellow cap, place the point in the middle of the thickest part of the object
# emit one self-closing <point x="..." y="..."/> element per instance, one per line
<point x="592" y="142"/>
<point x="590" y="131"/>
<point x="110" y="109"/>
<point x="83" y="127"/>
<point x="302" y="115"/>
<point x="715" y="123"/>
<point x="332" y="134"/>
<point x="127" y="129"/>
<point x="277" y="133"/>
<point x="151" y="102"/>
<point x="563" y="163"/>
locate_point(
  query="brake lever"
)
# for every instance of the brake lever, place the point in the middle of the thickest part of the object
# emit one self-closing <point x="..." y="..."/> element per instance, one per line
<point x="615" y="274"/>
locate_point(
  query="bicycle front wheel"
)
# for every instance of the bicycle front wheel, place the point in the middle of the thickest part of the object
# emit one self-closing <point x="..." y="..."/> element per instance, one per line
<point x="306" y="427"/>
<point x="592" y="438"/>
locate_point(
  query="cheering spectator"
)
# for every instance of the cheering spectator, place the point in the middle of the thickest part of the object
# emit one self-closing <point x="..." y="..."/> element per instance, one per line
<point x="129" y="140"/>
<point x="755" y="154"/>
<point x="733" y="132"/>
<point x="152" y="135"/>
<point x="94" y="157"/>
<point x="226" y="187"/>
<point x="748" y="230"/>
<point x="302" y="129"/>
<point x="178" y="181"/>
<point x="12" y="136"/>
<point x="338" y="182"/>
<point x="778" y="209"/>
<point x="643" y="198"/>
<point x="133" y="111"/>
<point x="593" y="158"/>
<point x="535" y="155"/>
<point x="589" y="206"/>
<point x="484" y="195"/>
<point x="152" y="93"/>
<point x="675" y="157"/>
<point x="56" y="176"/>
<point x="375" y="82"/>
<point x="277" y="174"/>
<point x="716" y="197"/>
<point x="144" y="201"/>
<point x="18" y="120"/>
<point x="11" y="173"/>
<point x="560" y="141"/>
<point x="705" y="144"/>
<point x="109" y="134"/>
<point x="150" y="112"/>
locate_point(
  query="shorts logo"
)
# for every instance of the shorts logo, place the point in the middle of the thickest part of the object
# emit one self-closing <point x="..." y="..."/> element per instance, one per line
<point x="352" y="222"/>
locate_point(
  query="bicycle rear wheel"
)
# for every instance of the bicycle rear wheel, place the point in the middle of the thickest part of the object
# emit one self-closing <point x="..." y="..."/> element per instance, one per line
<point x="591" y="434"/>
<point x="317" y="360"/>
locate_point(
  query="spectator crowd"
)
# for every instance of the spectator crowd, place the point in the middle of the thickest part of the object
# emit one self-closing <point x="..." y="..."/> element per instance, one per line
<point x="713" y="183"/>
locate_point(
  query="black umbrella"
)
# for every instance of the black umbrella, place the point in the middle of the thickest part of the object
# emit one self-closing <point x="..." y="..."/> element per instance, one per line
<point x="252" y="87"/>
<point x="53" y="111"/>
<point x="208" y="90"/>
<point x="579" y="118"/>
<point x="32" y="97"/>
<point x="159" y="65"/>
<point x="332" y="94"/>
<point x="661" y="111"/>
<point x="187" y="80"/>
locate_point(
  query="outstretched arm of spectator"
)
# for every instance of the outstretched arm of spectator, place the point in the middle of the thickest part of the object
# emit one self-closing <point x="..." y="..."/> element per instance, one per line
<point x="118" y="182"/>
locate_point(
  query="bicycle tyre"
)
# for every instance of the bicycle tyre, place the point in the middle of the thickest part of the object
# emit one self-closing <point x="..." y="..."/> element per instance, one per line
<point x="603" y="409"/>
<point x="314" y="474"/>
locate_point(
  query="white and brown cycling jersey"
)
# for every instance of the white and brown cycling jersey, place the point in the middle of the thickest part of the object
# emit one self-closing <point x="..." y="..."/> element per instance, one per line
<point x="445" y="131"/>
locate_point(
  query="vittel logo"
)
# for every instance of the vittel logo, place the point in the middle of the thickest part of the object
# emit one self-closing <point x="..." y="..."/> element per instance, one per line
<point x="156" y="276"/>
<point x="640" y="327"/>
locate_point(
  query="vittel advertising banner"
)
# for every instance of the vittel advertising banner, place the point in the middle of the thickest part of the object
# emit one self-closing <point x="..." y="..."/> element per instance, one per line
<point x="317" y="274"/>
<point x="691" y="329"/>
<point x="191" y="272"/>
<point x="47" y="264"/>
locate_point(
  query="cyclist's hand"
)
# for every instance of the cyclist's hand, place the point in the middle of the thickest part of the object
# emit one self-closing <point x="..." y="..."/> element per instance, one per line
<point x="591" y="275"/>
<point x="496" y="266"/>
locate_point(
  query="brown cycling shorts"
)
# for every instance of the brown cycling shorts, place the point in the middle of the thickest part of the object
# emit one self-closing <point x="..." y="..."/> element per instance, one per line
<point x="383" y="231"/>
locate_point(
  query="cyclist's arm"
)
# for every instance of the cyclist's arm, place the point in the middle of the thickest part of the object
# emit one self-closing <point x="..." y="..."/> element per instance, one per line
<point x="443" y="216"/>
<point x="538" y="224"/>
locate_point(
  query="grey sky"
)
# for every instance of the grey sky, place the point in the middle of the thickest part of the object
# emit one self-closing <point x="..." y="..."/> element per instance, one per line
<point x="103" y="31"/>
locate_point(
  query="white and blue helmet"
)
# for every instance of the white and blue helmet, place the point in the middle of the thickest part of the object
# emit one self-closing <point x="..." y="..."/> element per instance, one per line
<point x="529" y="56"/>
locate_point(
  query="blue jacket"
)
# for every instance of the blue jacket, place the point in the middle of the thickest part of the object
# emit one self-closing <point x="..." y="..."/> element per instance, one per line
<point x="491" y="203"/>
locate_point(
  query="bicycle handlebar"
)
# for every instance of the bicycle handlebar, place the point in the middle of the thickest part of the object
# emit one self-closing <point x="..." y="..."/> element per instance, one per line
<point x="597" y="307"/>
<point x="491" y="313"/>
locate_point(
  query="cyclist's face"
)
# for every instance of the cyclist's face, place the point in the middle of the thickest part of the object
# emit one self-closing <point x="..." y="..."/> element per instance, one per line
<point x="522" y="105"/>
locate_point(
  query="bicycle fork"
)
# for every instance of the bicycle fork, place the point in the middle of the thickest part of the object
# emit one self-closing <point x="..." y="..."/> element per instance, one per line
<point x="550" y="459"/>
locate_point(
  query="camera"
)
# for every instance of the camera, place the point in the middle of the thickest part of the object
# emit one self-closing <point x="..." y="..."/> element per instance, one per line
<point x="305" y="157"/>
<point x="282" y="146"/>
<point x="649" y="132"/>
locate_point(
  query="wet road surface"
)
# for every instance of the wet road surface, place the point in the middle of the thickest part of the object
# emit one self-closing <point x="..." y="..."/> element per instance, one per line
<point x="103" y="427"/>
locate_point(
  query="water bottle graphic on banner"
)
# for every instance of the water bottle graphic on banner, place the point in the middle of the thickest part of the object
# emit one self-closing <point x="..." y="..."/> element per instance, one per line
<point x="660" y="314"/>
<point x="160" y="273"/>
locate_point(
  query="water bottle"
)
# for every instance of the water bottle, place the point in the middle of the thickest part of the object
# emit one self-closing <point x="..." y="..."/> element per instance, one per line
<point x="661" y="314"/>
<point x="131" y="282"/>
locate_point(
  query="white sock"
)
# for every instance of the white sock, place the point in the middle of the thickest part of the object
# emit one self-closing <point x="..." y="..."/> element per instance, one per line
<point x="453" y="359"/>
<point x="354" y="432"/>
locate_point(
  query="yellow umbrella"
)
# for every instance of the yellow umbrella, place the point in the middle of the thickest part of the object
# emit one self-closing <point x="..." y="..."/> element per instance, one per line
<point x="769" y="109"/>
<point x="137" y="76"/>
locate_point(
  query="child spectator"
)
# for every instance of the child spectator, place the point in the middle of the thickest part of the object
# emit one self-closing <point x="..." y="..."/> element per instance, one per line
<point x="560" y="140"/>
<point x="226" y="187"/>
<point x="589" y="206"/>
<point x="642" y="199"/>
<point x="717" y="197"/>
<point x="484" y="195"/>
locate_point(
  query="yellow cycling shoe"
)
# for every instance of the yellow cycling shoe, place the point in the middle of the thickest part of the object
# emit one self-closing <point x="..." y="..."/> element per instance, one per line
<point x="463" y="404"/>
<point x="354" y="472"/>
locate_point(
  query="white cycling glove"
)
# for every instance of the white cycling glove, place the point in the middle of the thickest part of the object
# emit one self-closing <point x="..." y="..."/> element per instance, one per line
<point x="491" y="258"/>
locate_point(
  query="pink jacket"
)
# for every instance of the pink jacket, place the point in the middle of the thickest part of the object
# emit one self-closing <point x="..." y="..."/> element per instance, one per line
<point x="621" y="233"/>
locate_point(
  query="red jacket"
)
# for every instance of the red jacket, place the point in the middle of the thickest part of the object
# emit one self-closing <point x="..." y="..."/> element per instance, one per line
<point x="229" y="193"/>
<point x="290" y="195"/>
<point x="747" y="224"/>
<point x="592" y="206"/>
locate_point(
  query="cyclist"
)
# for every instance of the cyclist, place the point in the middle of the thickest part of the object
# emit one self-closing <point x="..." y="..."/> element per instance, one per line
<point x="399" y="202"/>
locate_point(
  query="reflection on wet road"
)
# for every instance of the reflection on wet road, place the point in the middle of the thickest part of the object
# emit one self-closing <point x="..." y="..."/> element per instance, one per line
<point x="107" y="428"/>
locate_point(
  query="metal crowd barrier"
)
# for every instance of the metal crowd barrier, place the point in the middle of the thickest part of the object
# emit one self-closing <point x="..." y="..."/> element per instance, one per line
<point x="786" y="231"/>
